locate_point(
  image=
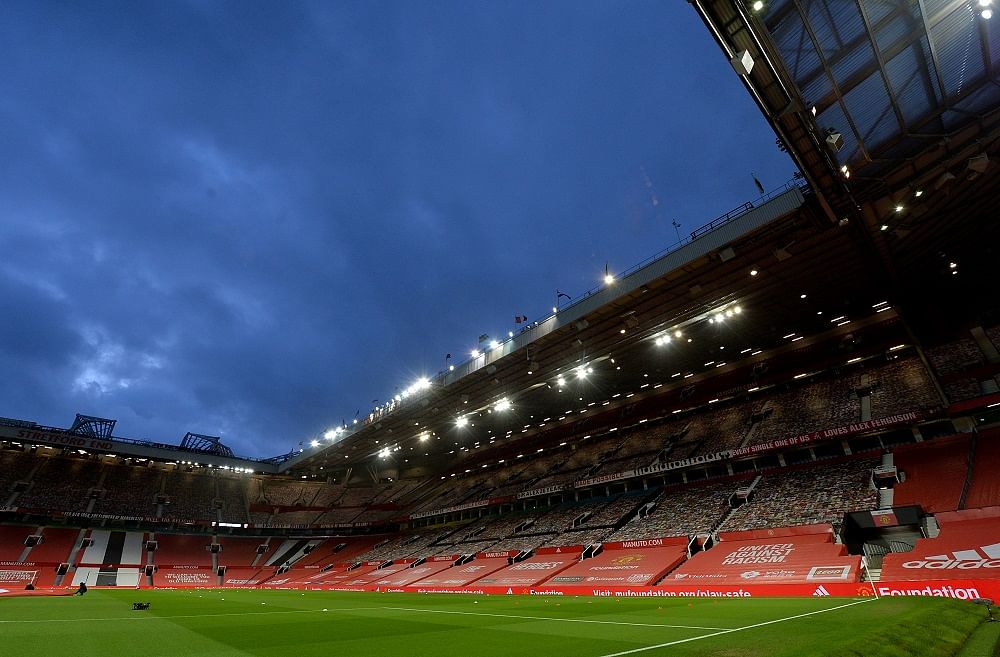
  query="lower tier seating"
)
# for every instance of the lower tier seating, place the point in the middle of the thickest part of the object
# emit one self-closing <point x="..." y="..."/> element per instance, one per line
<point x="766" y="558"/>
<point x="968" y="547"/>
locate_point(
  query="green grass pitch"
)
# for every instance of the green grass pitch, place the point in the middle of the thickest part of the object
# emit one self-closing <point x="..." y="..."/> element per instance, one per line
<point x="227" y="623"/>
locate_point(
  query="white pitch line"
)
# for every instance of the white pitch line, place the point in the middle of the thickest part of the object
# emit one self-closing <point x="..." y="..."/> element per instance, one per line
<point x="133" y="618"/>
<point x="737" y="629"/>
<point x="563" y="620"/>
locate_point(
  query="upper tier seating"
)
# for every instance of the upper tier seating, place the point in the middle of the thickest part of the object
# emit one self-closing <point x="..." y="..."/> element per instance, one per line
<point x="61" y="484"/>
<point x="811" y="495"/>
<point x="685" y="512"/>
<point x="954" y="356"/>
<point x="129" y="490"/>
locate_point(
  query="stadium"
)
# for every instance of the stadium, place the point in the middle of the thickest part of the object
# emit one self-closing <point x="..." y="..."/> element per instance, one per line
<point x="779" y="436"/>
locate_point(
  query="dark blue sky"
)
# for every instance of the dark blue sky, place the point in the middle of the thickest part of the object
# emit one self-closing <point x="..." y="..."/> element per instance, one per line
<point x="251" y="219"/>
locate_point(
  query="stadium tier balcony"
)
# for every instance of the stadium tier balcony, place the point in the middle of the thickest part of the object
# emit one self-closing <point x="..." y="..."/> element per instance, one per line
<point x="985" y="488"/>
<point x="522" y="543"/>
<point x="557" y="479"/>
<point x="285" y="493"/>
<point x="233" y="499"/>
<point x="14" y="466"/>
<point x="469" y="547"/>
<point x="408" y="545"/>
<point x="61" y="484"/>
<point x="332" y="517"/>
<point x="560" y="518"/>
<point x="934" y="473"/>
<point x="993" y="333"/>
<point x="182" y="550"/>
<point x="505" y="525"/>
<point x="801" y="410"/>
<point x="57" y="542"/>
<point x="962" y="389"/>
<point x="817" y="494"/>
<point x="238" y="552"/>
<point x="903" y="385"/>
<point x="610" y="513"/>
<point x="685" y="512"/>
<point x="394" y="492"/>
<point x="129" y="490"/>
<point x="190" y="496"/>
<point x="955" y="356"/>
<point x="12" y="539"/>
<point x="579" y="537"/>
<point x="719" y="429"/>
<point x="295" y="519"/>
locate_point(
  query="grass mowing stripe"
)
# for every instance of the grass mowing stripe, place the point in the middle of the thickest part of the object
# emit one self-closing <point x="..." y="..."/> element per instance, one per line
<point x="737" y="629"/>
<point x="564" y="620"/>
<point x="133" y="618"/>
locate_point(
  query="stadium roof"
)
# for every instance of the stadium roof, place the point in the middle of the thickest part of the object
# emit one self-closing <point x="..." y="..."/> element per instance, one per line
<point x="801" y="288"/>
<point x="912" y="90"/>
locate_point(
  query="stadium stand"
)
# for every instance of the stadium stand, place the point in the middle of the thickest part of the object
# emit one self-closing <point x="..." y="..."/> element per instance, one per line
<point x="629" y="563"/>
<point x="61" y="484"/>
<point x="14" y="466"/>
<point x="955" y="356"/>
<point x="337" y="549"/>
<point x="55" y="546"/>
<point x="12" y="539"/>
<point x="485" y="564"/>
<point x="778" y="555"/>
<point x="114" y="547"/>
<point x="190" y="496"/>
<point x="233" y="505"/>
<point x="684" y="512"/>
<point x="129" y="490"/>
<point x="934" y="473"/>
<point x="816" y="494"/>
<point x="183" y="550"/>
<point x="985" y="486"/>
<point x="238" y="551"/>
<point x="968" y="547"/>
<point x="416" y="572"/>
<point x="902" y="385"/>
<point x="546" y="563"/>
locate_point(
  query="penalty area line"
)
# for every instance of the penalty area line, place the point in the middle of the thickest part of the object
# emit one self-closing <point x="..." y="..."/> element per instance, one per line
<point x="735" y="629"/>
<point x="561" y="620"/>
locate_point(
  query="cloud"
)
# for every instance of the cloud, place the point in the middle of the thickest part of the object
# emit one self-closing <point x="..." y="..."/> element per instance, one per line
<point x="250" y="224"/>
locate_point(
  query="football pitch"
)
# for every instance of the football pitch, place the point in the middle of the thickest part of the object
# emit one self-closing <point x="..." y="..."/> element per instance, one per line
<point x="313" y="623"/>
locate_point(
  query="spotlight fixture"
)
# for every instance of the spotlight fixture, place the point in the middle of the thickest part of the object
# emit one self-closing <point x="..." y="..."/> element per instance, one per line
<point x="834" y="140"/>
<point x="742" y="63"/>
